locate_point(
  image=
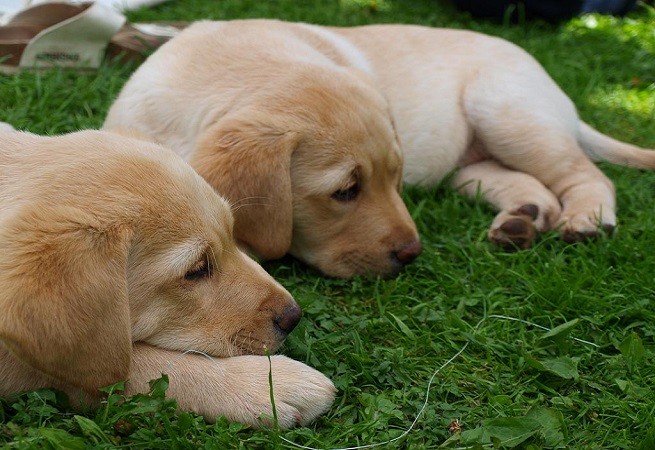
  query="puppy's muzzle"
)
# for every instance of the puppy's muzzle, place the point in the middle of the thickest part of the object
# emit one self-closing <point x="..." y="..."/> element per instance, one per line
<point x="288" y="319"/>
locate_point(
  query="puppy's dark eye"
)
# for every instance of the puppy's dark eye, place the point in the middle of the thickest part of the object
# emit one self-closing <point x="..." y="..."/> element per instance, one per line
<point x="199" y="271"/>
<point x="348" y="194"/>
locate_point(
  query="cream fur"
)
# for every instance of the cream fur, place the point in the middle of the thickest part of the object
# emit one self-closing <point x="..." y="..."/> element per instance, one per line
<point x="280" y="142"/>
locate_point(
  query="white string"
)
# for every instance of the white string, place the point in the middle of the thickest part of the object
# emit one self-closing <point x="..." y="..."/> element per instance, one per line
<point x="498" y="316"/>
<point x="429" y="385"/>
<point x="434" y="374"/>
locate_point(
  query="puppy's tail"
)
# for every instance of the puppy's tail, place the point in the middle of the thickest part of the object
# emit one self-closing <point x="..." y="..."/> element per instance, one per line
<point x="604" y="148"/>
<point x="6" y="128"/>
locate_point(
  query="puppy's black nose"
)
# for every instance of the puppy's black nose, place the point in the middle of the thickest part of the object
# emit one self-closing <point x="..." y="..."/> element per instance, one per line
<point x="289" y="318"/>
<point x="408" y="252"/>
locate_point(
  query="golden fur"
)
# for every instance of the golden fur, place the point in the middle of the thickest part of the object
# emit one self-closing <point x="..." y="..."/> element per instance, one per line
<point x="281" y="155"/>
<point x="116" y="258"/>
<point x="248" y="102"/>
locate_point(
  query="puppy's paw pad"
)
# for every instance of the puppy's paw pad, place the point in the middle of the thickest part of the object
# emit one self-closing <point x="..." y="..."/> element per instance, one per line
<point x="514" y="233"/>
<point x="531" y="210"/>
<point x="543" y="214"/>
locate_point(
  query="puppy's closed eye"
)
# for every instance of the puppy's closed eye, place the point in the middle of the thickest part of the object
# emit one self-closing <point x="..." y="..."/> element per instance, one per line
<point x="199" y="271"/>
<point x="348" y="193"/>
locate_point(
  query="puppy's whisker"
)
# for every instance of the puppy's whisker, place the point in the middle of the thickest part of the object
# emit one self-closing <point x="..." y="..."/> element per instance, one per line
<point x="236" y="208"/>
<point x="250" y="343"/>
<point x="245" y="201"/>
<point x="231" y="253"/>
<point x="233" y="345"/>
<point x="211" y="260"/>
<point x="247" y="198"/>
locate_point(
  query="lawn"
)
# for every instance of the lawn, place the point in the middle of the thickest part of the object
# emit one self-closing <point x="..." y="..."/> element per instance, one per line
<point x="588" y="383"/>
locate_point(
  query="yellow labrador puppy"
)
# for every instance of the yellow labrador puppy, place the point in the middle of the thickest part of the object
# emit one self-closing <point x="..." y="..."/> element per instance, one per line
<point x="237" y="98"/>
<point x="116" y="258"/>
<point x="303" y="149"/>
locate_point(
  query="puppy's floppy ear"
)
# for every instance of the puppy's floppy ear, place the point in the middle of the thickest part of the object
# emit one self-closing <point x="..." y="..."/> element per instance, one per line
<point x="249" y="163"/>
<point x="63" y="294"/>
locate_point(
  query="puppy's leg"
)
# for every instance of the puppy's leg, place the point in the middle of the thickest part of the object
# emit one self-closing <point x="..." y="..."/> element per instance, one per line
<point x="237" y="387"/>
<point x="528" y="124"/>
<point x="556" y="160"/>
<point x="525" y="204"/>
<point x="588" y="201"/>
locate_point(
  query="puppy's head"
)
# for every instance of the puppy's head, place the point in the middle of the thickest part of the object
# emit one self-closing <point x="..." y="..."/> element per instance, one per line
<point x="106" y="241"/>
<point x="314" y="170"/>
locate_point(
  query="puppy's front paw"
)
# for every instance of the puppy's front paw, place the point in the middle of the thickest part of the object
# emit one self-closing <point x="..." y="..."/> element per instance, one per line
<point x="236" y="388"/>
<point x="301" y="393"/>
<point x="6" y="128"/>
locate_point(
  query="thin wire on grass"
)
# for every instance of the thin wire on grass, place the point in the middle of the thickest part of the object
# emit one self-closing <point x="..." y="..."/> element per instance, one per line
<point x="429" y="385"/>
<point x="427" y="391"/>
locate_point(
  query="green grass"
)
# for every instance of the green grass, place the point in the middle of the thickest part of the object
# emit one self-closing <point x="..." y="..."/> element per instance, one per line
<point x="381" y="340"/>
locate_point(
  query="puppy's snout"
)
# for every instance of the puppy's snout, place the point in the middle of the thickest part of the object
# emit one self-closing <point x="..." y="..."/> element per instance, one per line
<point x="408" y="252"/>
<point x="288" y="319"/>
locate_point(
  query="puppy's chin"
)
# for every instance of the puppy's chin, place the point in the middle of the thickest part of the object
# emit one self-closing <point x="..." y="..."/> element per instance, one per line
<point x="241" y="343"/>
<point x="244" y="343"/>
<point x="351" y="264"/>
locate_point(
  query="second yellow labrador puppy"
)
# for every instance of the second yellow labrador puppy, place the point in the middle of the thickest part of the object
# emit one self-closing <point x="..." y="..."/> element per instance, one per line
<point x="238" y="98"/>
<point x="304" y="150"/>
<point x="115" y="259"/>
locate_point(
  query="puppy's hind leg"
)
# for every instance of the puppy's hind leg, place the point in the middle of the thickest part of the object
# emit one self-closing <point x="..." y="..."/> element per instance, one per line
<point x="534" y="129"/>
<point x="525" y="204"/>
<point x="556" y="160"/>
<point x="528" y="124"/>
